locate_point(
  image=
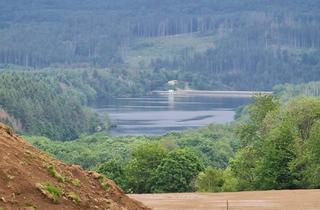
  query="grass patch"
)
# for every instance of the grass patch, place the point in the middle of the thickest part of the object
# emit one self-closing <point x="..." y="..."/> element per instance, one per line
<point x="61" y="177"/>
<point x="50" y="191"/>
<point x="76" y="182"/>
<point x="9" y="131"/>
<point x="9" y="178"/>
<point x="74" y="197"/>
<point x="54" y="173"/>
<point x="30" y="206"/>
<point x="103" y="182"/>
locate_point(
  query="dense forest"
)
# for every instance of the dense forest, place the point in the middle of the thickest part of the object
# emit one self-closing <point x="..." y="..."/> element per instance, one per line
<point x="141" y="164"/>
<point x="251" y="45"/>
<point x="278" y="145"/>
<point x="55" y="103"/>
<point x="287" y="91"/>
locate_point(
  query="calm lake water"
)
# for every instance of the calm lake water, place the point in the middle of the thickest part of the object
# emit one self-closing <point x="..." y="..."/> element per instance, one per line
<point x="161" y="114"/>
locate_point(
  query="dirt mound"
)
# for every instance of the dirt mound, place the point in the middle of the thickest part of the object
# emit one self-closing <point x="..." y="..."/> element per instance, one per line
<point x="30" y="179"/>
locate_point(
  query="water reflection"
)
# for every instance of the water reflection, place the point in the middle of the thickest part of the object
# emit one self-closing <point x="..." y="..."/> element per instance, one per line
<point x="159" y="115"/>
<point x="171" y="101"/>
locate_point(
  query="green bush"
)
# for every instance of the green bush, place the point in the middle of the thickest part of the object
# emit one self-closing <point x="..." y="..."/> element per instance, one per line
<point x="74" y="197"/>
<point x="55" y="174"/>
<point x="177" y="172"/>
<point x="49" y="190"/>
<point x="210" y="180"/>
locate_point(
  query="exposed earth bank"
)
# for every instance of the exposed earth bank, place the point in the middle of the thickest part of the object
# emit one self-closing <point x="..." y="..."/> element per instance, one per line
<point x="30" y="179"/>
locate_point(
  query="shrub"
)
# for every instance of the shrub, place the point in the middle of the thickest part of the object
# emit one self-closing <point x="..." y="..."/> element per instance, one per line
<point x="103" y="182"/>
<point x="49" y="190"/>
<point x="54" y="173"/>
<point x="210" y="180"/>
<point x="76" y="182"/>
<point x="30" y="206"/>
<point x="74" y="197"/>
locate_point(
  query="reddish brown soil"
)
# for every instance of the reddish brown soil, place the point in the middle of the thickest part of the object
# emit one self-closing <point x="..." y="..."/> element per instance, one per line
<point x="22" y="167"/>
<point x="259" y="200"/>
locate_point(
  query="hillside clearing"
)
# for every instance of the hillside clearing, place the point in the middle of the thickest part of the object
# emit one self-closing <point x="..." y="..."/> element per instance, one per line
<point x="143" y="50"/>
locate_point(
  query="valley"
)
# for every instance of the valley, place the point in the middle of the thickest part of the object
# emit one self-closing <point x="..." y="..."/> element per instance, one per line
<point x="162" y="104"/>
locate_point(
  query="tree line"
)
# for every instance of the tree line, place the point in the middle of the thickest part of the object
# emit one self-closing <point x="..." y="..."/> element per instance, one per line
<point x="147" y="164"/>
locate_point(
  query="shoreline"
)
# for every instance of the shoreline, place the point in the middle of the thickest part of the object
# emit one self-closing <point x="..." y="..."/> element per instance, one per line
<point x="246" y="94"/>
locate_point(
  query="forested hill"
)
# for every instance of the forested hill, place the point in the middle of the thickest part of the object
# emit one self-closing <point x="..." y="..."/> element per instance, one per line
<point x="205" y="44"/>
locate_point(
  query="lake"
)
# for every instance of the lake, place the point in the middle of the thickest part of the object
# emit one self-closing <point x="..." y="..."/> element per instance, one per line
<point x="158" y="115"/>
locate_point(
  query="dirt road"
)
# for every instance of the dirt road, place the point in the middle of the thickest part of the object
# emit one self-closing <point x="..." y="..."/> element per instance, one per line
<point x="259" y="200"/>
